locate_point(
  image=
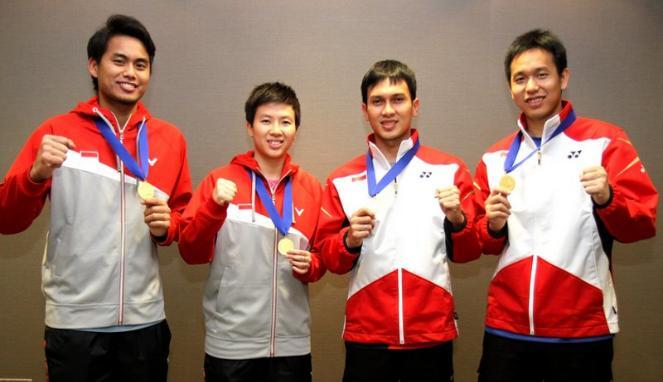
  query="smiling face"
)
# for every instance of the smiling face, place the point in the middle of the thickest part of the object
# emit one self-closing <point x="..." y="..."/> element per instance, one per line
<point x="390" y="110"/>
<point x="123" y="73"/>
<point x="273" y="132"/>
<point x="536" y="86"/>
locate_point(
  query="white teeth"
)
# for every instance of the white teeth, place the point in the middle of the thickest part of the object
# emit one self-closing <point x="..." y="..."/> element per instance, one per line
<point x="127" y="86"/>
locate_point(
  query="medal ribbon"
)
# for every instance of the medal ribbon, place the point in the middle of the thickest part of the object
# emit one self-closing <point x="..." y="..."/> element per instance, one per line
<point x="515" y="145"/>
<point x="394" y="171"/>
<point x="143" y="149"/>
<point x="282" y="223"/>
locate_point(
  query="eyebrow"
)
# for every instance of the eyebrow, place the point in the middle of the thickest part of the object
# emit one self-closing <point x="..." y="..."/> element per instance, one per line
<point x="379" y="96"/>
<point x="124" y="56"/>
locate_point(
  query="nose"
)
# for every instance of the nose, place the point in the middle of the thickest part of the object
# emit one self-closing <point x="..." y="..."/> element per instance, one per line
<point x="388" y="109"/>
<point x="130" y="71"/>
<point x="532" y="85"/>
<point x="276" y="128"/>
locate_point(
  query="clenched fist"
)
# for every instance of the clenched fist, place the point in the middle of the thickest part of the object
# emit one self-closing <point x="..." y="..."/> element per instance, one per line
<point x="362" y="223"/>
<point x="52" y="153"/>
<point x="449" y="199"/>
<point x="224" y="191"/>
<point x="595" y="181"/>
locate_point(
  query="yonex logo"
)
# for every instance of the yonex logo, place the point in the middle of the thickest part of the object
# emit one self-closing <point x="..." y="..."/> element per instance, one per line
<point x="574" y="154"/>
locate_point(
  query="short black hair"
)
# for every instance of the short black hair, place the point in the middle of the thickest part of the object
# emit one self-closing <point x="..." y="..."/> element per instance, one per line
<point x="536" y="39"/>
<point x="271" y="92"/>
<point x="395" y="71"/>
<point x="118" y="25"/>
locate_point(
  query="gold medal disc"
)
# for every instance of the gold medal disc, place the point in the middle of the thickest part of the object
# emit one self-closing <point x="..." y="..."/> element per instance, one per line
<point x="285" y="245"/>
<point x="146" y="190"/>
<point x="507" y="183"/>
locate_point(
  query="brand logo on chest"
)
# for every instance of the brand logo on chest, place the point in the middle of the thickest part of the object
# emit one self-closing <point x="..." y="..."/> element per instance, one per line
<point x="574" y="154"/>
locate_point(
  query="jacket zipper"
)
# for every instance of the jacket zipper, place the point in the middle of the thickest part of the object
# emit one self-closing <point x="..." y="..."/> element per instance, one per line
<point x="532" y="276"/>
<point x="401" y="329"/>
<point x="272" y="335"/>
<point x="401" y="326"/>
<point x="275" y="262"/>
<point x="122" y="233"/>
<point x="532" y="284"/>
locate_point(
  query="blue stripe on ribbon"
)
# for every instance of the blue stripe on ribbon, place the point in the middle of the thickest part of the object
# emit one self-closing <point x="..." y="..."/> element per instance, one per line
<point x="143" y="149"/>
<point x="282" y="224"/>
<point x="515" y="145"/>
<point x="394" y="171"/>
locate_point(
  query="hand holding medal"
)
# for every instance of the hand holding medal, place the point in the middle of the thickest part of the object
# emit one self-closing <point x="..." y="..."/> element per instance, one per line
<point x="157" y="216"/>
<point x="300" y="260"/>
<point x="497" y="204"/>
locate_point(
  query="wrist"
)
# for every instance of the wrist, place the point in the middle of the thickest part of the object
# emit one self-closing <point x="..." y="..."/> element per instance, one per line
<point x="348" y="247"/>
<point x="34" y="177"/>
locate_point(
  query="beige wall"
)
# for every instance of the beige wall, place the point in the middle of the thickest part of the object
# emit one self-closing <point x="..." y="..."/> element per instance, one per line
<point x="211" y="53"/>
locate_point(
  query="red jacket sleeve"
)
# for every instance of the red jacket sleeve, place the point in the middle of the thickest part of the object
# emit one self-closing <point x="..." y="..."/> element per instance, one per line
<point x="490" y="244"/>
<point x="630" y="215"/>
<point x="180" y="196"/>
<point x="21" y="200"/>
<point x="200" y="223"/>
<point x="317" y="268"/>
<point x="332" y="227"/>
<point x="465" y="245"/>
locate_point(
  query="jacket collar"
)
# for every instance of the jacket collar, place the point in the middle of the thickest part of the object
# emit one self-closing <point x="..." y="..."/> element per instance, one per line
<point x="248" y="161"/>
<point x="405" y="145"/>
<point x="86" y="109"/>
<point x="549" y="126"/>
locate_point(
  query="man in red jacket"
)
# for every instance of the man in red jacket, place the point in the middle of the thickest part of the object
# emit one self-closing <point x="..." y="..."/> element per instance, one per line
<point x="254" y="220"/>
<point x="396" y="216"/>
<point x="118" y="181"/>
<point x="557" y="193"/>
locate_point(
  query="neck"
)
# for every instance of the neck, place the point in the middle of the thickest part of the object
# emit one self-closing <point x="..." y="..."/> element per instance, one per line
<point x="389" y="148"/>
<point x="271" y="168"/>
<point x="121" y="111"/>
<point x="535" y="128"/>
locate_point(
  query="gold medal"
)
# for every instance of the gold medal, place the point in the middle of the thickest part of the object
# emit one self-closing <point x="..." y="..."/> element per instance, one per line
<point x="285" y="245"/>
<point x="146" y="190"/>
<point x="507" y="183"/>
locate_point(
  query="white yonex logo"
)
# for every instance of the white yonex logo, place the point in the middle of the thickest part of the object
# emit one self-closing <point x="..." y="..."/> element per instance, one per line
<point x="152" y="161"/>
<point x="299" y="211"/>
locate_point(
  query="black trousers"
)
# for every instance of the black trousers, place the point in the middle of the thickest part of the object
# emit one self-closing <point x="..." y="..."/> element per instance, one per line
<point x="506" y="359"/>
<point x="276" y="369"/>
<point x="370" y="363"/>
<point x="80" y="356"/>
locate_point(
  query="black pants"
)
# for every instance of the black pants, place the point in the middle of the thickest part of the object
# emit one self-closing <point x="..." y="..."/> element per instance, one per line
<point x="80" y="356"/>
<point x="505" y="359"/>
<point x="277" y="369"/>
<point x="369" y="363"/>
